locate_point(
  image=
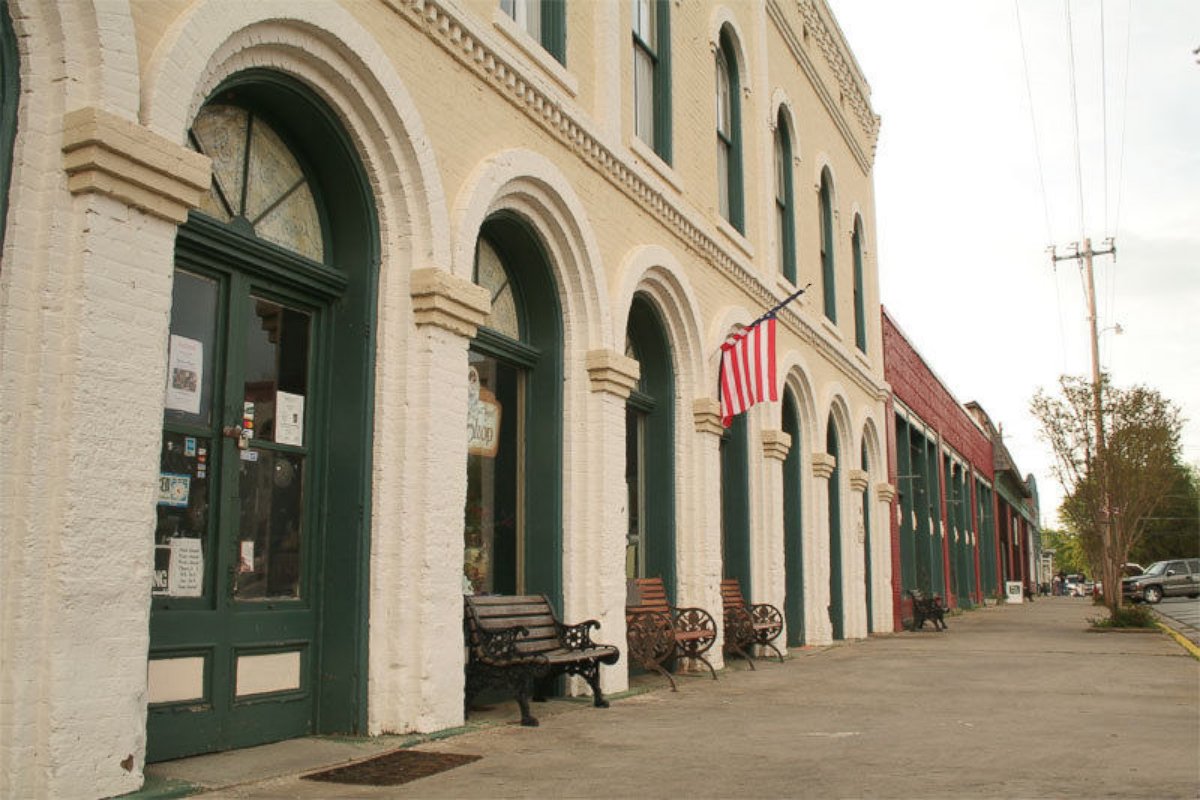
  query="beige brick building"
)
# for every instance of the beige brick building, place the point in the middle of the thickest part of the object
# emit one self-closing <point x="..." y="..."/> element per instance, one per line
<point x="264" y="264"/>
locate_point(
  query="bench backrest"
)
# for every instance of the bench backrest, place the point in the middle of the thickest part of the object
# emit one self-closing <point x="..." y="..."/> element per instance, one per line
<point x="496" y="612"/>
<point x="652" y="596"/>
<point x="731" y="593"/>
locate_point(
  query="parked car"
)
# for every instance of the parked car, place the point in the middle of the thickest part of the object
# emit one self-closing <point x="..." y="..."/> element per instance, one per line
<point x="1077" y="585"/>
<point x="1176" y="578"/>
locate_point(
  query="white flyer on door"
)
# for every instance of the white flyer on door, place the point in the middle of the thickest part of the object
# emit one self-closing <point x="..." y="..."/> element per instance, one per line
<point x="185" y="374"/>
<point x="185" y="574"/>
<point x="289" y="418"/>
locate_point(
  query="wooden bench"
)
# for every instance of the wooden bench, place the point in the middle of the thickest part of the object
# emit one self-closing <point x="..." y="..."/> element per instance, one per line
<point x="657" y="632"/>
<point x="749" y="624"/>
<point x="926" y="609"/>
<point x="517" y="641"/>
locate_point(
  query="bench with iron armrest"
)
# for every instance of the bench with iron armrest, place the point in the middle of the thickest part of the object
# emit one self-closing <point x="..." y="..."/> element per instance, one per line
<point x="927" y="609"/>
<point x="657" y="632"/>
<point x="517" y="641"/>
<point x="751" y="624"/>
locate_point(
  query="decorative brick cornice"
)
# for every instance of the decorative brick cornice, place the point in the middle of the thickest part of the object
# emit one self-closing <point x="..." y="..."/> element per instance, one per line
<point x="776" y="444"/>
<point x="706" y="412"/>
<point x="447" y="301"/>
<point x="858" y="480"/>
<point x="851" y="89"/>
<point x="612" y="372"/>
<point x="472" y="44"/>
<point x="110" y="155"/>
<point x="885" y="492"/>
<point x="823" y="465"/>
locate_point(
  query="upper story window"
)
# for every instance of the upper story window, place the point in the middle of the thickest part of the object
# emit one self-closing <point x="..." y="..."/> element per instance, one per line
<point x="860" y="315"/>
<point x="729" y="137"/>
<point x="785" y="214"/>
<point x="652" y="75"/>
<point x="825" y="205"/>
<point x="544" y="20"/>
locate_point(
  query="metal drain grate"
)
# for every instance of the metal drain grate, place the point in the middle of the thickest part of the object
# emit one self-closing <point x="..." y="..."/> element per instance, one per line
<point x="393" y="769"/>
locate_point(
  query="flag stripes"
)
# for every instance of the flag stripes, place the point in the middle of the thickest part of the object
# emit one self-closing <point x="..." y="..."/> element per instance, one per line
<point x="748" y="369"/>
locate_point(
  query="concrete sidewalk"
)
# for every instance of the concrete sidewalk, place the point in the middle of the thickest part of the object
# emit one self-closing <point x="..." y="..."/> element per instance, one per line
<point x="1016" y="701"/>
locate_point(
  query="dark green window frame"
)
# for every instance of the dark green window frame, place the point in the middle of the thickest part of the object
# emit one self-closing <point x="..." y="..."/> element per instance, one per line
<point x="828" y="276"/>
<point x="660" y="56"/>
<point x="553" y="23"/>
<point x="860" y="314"/>
<point x="10" y="91"/>
<point x="733" y="141"/>
<point x="785" y="205"/>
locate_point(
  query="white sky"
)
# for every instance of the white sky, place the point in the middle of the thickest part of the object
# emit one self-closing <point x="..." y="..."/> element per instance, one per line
<point x="962" y="224"/>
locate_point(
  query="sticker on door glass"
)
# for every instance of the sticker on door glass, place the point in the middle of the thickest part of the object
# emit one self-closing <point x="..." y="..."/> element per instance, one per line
<point x="246" y="555"/>
<point x="185" y="574"/>
<point x="174" y="489"/>
<point x="185" y="374"/>
<point x="289" y="418"/>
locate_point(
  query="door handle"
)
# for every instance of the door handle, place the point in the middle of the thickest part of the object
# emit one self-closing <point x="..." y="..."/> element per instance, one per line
<point x="232" y="431"/>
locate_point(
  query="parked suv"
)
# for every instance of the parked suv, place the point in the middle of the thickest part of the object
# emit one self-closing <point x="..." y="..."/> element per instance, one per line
<point x="1161" y="579"/>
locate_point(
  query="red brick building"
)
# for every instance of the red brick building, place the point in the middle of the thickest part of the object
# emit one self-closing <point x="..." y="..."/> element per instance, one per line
<point x="963" y="520"/>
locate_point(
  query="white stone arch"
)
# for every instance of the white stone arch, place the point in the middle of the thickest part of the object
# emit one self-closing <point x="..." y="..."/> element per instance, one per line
<point x="655" y="271"/>
<point x="528" y="184"/>
<point x="822" y="163"/>
<point x="782" y="104"/>
<point x="723" y="19"/>
<point x="327" y="49"/>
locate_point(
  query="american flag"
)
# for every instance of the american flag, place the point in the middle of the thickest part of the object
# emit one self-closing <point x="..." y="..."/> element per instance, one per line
<point x="748" y="369"/>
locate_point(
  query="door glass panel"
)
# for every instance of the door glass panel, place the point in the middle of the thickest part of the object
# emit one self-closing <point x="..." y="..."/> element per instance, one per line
<point x="277" y="343"/>
<point x="634" y="478"/>
<point x="192" y="344"/>
<point x="181" y="545"/>
<point x="491" y="530"/>
<point x="271" y="486"/>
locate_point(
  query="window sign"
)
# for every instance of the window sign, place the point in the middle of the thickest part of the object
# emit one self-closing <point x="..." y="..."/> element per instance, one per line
<point x="185" y="574"/>
<point x="289" y="418"/>
<point x="174" y="490"/>
<point x="185" y="374"/>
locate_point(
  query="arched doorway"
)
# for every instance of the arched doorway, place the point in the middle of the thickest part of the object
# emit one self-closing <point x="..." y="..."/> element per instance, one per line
<point x="258" y="620"/>
<point x="836" y="604"/>
<point x="793" y="524"/>
<point x="650" y="448"/>
<point x="512" y="531"/>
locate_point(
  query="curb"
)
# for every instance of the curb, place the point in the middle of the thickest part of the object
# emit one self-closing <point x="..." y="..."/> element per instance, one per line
<point x="1187" y="643"/>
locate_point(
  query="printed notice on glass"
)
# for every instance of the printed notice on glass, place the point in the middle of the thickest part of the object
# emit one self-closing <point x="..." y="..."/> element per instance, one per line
<point x="185" y="574"/>
<point x="185" y="374"/>
<point x="289" y="418"/>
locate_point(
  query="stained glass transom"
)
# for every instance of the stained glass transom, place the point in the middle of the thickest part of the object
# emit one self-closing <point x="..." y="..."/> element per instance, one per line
<point x="257" y="180"/>
<point x="491" y="275"/>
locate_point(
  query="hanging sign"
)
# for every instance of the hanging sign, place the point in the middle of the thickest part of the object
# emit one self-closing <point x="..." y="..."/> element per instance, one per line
<point x="483" y="419"/>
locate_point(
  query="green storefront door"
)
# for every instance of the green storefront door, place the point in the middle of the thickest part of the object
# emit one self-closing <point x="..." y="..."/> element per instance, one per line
<point x="233" y="626"/>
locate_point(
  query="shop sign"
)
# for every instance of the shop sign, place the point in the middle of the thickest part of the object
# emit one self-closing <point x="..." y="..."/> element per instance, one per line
<point x="483" y="419"/>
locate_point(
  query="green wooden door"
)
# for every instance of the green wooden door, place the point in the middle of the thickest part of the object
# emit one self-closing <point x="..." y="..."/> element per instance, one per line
<point x="234" y="620"/>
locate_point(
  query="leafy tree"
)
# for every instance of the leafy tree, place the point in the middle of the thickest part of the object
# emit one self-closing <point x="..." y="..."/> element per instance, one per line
<point x="1115" y="485"/>
<point x="1068" y="550"/>
<point x="1174" y="530"/>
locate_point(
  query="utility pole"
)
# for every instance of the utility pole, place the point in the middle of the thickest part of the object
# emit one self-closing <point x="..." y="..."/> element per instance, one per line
<point x="1086" y="255"/>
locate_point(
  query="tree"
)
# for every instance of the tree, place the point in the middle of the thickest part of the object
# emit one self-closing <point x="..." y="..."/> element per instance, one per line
<point x="1114" y="484"/>
<point x="1174" y="530"/>
<point x="1068" y="550"/>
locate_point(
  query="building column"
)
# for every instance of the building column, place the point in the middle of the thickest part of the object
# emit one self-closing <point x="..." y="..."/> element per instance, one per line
<point x="698" y="581"/>
<point x="86" y="284"/>
<point x="816" y="569"/>
<point x="415" y="675"/>
<point x="598" y="551"/>
<point x="882" y="609"/>
<point x="768" y="557"/>
<point x="854" y="549"/>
